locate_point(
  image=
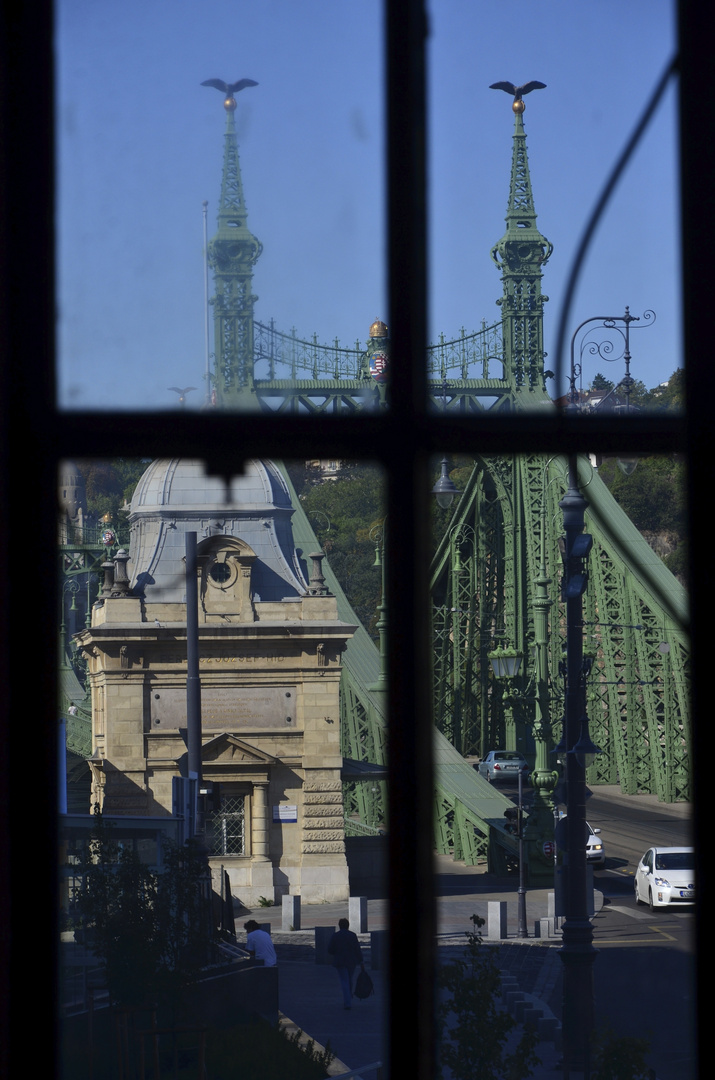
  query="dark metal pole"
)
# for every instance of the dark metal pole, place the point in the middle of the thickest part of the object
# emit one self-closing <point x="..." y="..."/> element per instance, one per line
<point x="577" y="952"/>
<point x="193" y="684"/>
<point x="521" y="891"/>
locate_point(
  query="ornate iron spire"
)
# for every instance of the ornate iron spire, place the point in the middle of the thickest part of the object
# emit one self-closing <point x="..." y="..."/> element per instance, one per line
<point x="520" y="255"/>
<point x="232" y="253"/>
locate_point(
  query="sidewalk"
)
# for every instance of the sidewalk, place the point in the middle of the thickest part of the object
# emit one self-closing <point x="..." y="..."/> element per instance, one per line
<point x="309" y="994"/>
<point x="310" y="999"/>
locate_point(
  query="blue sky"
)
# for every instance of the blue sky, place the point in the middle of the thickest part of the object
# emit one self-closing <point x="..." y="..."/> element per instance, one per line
<point x="140" y="146"/>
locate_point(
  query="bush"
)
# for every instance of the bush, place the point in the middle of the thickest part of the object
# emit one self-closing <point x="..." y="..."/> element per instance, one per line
<point x="148" y="930"/>
<point x="473" y="1028"/>
<point x="253" y="1051"/>
<point x="618" y="1057"/>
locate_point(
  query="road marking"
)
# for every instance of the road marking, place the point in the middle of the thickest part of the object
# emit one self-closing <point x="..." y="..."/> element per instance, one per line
<point x="632" y="913"/>
<point x="658" y="930"/>
<point x="597" y="941"/>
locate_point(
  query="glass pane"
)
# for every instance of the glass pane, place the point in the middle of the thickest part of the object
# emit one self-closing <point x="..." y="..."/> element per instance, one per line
<point x="562" y="659"/>
<point x="290" y="656"/>
<point x="285" y="184"/>
<point x="546" y="167"/>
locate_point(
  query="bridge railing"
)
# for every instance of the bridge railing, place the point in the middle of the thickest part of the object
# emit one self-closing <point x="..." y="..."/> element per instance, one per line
<point x="280" y="356"/>
<point x="479" y="355"/>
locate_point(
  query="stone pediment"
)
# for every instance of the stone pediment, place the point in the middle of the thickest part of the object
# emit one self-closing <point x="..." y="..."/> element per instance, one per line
<point x="226" y="749"/>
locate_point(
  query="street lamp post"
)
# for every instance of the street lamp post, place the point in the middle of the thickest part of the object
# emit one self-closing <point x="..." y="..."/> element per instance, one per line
<point x="377" y="534"/>
<point x="539" y="828"/>
<point x="506" y="664"/>
<point x="608" y="351"/>
<point x="577" y="952"/>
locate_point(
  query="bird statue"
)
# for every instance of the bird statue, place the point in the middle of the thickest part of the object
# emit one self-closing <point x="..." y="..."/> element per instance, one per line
<point x="518" y="91"/>
<point x="182" y="393"/>
<point x="229" y="89"/>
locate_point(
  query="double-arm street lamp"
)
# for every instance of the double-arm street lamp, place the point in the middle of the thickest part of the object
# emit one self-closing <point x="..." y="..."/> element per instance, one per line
<point x="577" y="952"/>
<point x="576" y="748"/>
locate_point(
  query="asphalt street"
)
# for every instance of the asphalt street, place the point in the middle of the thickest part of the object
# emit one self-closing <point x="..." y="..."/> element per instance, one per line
<point x="644" y="974"/>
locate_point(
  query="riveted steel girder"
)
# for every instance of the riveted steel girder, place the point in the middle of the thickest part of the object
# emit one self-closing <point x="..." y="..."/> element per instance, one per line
<point x="634" y="616"/>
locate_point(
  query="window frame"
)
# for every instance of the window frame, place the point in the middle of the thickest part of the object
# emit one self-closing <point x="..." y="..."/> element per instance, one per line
<point x="36" y="437"/>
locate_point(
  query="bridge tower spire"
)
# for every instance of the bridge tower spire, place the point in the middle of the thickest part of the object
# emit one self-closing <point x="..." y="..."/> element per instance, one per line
<point x="232" y="253"/>
<point x="520" y="255"/>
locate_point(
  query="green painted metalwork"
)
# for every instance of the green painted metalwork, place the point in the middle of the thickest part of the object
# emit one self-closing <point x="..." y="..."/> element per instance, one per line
<point x="232" y="254"/>
<point x="495" y="575"/>
<point x="520" y="254"/>
<point x="495" y="578"/>
<point x="469" y="813"/>
<point x="81" y="553"/>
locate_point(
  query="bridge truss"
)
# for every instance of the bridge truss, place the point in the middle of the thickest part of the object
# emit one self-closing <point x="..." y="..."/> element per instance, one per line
<point x="484" y="582"/>
<point x="492" y="573"/>
<point x="497" y="566"/>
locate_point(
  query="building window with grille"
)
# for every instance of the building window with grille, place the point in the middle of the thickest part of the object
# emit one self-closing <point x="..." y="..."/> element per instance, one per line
<point x="229" y="826"/>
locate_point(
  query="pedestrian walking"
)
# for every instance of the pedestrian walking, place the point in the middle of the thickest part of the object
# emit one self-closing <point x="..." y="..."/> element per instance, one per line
<point x="345" y="949"/>
<point x="259" y="943"/>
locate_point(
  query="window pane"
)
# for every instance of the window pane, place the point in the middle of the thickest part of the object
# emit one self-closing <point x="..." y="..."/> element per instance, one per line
<point x="546" y="168"/>
<point x="290" y="567"/>
<point x="505" y="578"/>
<point x="292" y="181"/>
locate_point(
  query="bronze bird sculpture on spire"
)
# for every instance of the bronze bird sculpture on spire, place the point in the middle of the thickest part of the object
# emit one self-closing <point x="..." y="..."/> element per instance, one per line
<point x="518" y="91"/>
<point x="229" y="89"/>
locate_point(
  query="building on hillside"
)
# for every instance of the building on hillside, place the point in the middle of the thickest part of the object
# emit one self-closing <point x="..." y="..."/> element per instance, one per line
<point x="270" y="645"/>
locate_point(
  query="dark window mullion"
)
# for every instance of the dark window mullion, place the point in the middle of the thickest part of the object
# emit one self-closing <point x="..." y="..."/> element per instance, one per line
<point x="412" y="909"/>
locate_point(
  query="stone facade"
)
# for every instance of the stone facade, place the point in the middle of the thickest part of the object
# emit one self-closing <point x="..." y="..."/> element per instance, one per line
<point x="271" y="754"/>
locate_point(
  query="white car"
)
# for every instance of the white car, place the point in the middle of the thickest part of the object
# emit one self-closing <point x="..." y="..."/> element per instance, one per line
<point x="665" y="875"/>
<point x="595" y="853"/>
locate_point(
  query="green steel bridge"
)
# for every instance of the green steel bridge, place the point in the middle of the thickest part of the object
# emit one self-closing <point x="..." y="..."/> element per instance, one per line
<point x="496" y="571"/>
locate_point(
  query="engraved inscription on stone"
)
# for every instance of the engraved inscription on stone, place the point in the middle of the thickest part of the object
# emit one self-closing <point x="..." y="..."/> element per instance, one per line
<point x="226" y="708"/>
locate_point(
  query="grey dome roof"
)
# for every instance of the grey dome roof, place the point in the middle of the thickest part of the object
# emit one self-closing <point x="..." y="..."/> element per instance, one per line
<point x="174" y="496"/>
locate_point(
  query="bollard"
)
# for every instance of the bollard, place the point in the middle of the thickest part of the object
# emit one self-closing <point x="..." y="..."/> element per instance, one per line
<point x="378" y="950"/>
<point x="496" y="919"/>
<point x="546" y="1028"/>
<point x="553" y="912"/>
<point x="290" y="913"/>
<point x="323" y="935"/>
<point x="357" y="914"/>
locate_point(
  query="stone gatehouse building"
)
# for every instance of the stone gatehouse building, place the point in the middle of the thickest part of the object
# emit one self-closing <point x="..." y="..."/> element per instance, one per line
<point x="269" y="644"/>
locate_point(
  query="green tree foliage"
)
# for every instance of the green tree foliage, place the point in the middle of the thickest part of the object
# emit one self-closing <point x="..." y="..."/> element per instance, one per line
<point x="671" y="396"/>
<point x="266" y="1053"/>
<point x="347" y="517"/>
<point x="619" y="1057"/>
<point x="473" y="1028"/>
<point x="147" y="929"/>
<point x="600" y="382"/>
<point x="109" y="484"/>
<point x="653" y="495"/>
